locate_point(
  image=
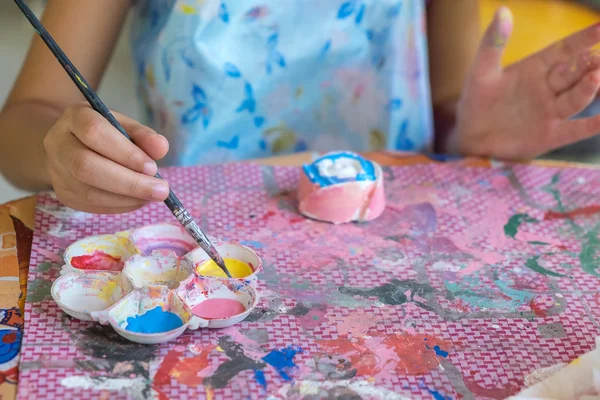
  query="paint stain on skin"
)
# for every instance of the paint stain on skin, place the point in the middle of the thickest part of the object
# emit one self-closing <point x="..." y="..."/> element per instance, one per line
<point x="154" y="321"/>
<point x="97" y="260"/>
<point x="237" y="269"/>
<point x="218" y="308"/>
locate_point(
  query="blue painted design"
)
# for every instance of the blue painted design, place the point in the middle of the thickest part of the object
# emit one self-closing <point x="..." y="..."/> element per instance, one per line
<point x="253" y="244"/>
<point x="186" y="60"/>
<point x="403" y="142"/>
<point x="360" y="14"/>
<point x="262" y="144"/>
<point x="346" y="9"/>
<point x="154" y="321"/>
<point x="301" y="146"/>
<point x="199" y="110"/>
<point x="394" y="11"/>
<point x="232" y="71"/>
<point x="312" y="171"/>
<point x="259" y="375"/>
<point x="10" y="343"/>
<point x="274" y="56"/>
<point x="440" y="352"/>
<point x="283" y="361"/>
<point x="259" y="121"/>
<point x="232" y="144"/>
<point x="248" y="104"/>
<point x="223" y="13"/>
<point x="379" y="41"/>
<point x="326" y="48"/>
<point x="394" y="104"/>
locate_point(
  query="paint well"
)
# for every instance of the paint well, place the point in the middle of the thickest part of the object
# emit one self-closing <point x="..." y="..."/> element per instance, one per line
<point x="237" y="269"/>
<point x="218" y="308"/>
<point x="154" y="321"/>
<point x="98" y="261"/>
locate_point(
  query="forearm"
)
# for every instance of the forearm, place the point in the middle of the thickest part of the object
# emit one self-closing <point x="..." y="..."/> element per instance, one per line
<point x="23" y="127"/>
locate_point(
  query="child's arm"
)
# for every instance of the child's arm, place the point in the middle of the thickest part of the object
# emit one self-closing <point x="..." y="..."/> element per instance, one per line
<point x="49" y="137"/>
<point x="453" y="32"/>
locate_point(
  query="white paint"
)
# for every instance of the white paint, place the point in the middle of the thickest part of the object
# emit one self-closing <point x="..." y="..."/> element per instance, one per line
<point x="132" y="387"/>
<point x="9" y="278"/>
<point x="341" y="168"/>
<point x="312" y="388"/>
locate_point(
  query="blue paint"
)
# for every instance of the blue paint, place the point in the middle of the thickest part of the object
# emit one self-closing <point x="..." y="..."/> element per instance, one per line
<point x="154" y="321"/>
<point x="440" y="352"/>
<point x="259" y="375"/>
<point x="437" y="395"/>
<point x="312" y="172"/>
<point x="283" y="360"/>
<point x="253" y="244"/>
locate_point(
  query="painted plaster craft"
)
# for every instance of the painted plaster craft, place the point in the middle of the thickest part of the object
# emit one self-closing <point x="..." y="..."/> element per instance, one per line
<point x="150" y="288"/>
<point x="79" y="294"/>
<point x="218" y="303"/>
<point x="242" y="262"/>
<point x="341" y="187"/>
<point x="578" y="380"/>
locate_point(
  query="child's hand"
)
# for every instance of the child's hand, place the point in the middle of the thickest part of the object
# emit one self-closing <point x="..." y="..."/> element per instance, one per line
<point x="94" y="168"/>
<point x="523" y="111"/>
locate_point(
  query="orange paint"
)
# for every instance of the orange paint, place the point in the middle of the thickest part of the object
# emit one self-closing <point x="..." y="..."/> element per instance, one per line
<point x="537" y="310"/>
<point x="589" y="210"/>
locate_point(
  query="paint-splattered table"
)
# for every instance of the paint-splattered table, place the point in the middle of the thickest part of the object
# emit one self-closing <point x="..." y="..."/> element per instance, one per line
<point x="478" y="275"/>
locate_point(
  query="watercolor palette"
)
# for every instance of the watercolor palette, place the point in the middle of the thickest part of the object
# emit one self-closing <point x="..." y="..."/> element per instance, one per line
<point x="152" y="283"/>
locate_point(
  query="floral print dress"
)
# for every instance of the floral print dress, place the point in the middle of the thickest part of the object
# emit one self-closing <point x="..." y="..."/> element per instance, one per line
<point x="232" y="80"/>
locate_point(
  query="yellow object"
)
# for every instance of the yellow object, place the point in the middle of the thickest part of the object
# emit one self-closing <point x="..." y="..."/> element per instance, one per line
<point x="538" y="23"/>
<point x="237" y="269"/>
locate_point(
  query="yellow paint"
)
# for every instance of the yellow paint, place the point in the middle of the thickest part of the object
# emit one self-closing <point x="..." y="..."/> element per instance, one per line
<point x="538" y="23"/>
<point x="188" y="9"/>
<point x="81" y="81"/>
<point x="575" y="361"/>
<point x="237" y="269"/>
<point x="107" y="291"/>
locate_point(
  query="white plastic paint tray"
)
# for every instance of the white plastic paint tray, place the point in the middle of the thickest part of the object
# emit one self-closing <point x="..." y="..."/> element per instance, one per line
<point x="109" y="278"/>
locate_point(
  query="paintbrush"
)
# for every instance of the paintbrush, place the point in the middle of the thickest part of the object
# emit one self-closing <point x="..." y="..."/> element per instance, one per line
<point x="178" y="210"/>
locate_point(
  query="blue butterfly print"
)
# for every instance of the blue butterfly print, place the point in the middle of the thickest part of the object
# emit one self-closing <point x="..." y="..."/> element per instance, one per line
<point x="352" y="7"/>
<point x="249" y="103"/>
<point x="378" y="40"/>
<point x="394" y="104"/>
<point x="326" y="48"/>
<point x="403" y="142"/>
<point x="394" y="11"/>
<point x="274" y="56"/>
<point x="232" y="144"/>
<point x="259" y="121"/>
<point x="232" y="71"/>
<point x="199" y="110"/>
<point x="223" y="13"/>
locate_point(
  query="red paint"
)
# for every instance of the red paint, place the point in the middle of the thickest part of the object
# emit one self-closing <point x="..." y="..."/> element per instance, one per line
<point x="163" y="375"/>
<point x="537" y="310"/>
<point x="218" y="308"/>
<point x="97" y="261"/>
<point x="589" y="210"/>
<point x="361" y="358"/>
<point x="9" y="338"/>
<point x="186" y="371"/>
<point x="490" y="393"/>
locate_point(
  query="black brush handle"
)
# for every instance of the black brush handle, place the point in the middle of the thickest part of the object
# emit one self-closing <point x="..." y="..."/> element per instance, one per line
<point x="172" y="201"/>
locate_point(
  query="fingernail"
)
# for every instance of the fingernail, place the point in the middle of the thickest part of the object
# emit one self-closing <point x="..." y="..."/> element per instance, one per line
<point x="150" y="168"/>
<point x="160" y="192"/>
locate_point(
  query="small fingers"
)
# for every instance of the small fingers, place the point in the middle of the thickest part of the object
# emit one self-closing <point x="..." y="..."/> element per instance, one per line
<point x="153" y="144"/>
<point x="572" y="45"/>
<point x="489" y="56"/>
<point x="575" y="100"/>
<point x="566" y="74"/>
<point x="94" y="170"/>
<point x="96" y="133"/>
<point x="574" y="130"/>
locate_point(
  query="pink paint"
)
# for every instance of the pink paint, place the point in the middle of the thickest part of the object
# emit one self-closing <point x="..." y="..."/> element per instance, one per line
<point x="98" y="261"/>
<point x="50" y="255"/>
<point x="218" y="308"/>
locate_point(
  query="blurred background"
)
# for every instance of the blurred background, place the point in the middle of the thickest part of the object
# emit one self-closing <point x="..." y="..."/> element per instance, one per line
<point x="537" y="24"/>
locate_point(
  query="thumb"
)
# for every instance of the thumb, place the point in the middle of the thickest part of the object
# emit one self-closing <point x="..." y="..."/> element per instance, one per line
<point x="488" y="63"/>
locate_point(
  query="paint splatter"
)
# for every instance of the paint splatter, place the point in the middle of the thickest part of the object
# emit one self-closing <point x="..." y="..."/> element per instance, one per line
<point x="394" y="292"/>
<point x="583" y="211"/>
<point x="154" y="321"/>
<point x="438" y="351"/>
<point x="512" y="226"/>
<point x="283" y="361"/>
<point x="238" y="362"/>
<point x="534" y="265"/>
<point x="97" y="260"/>
<point x="537" y="309"/>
